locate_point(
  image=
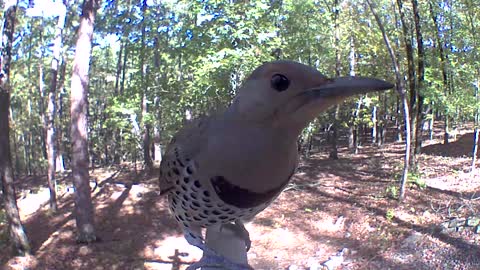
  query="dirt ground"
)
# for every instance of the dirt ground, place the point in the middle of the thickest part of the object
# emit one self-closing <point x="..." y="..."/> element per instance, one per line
<point x="330" y="206"/>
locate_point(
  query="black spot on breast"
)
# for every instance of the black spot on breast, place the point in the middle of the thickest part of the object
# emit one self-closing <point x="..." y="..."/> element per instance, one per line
<point x="215" y="212"/>
<point x="206" y="193"/>
<point x="180" y="163"/>
<point x="197" y="183"/>
<point x="186" y="180"/>
<point x="189" y="170"/>
<point x="176" y="171"/>
<point x="196" y="204"/>
<point x="241" y="197"/>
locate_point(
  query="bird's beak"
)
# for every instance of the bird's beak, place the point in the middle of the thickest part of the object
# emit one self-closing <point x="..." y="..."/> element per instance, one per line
<point x="308" y="104"/>
<point x="343" y="87"/>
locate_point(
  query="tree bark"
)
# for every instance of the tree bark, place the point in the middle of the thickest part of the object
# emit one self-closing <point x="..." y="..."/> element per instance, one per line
<point x="401" y="91"/>
<point x="17" y="232"/>
<point x="412" y="82"/>
<point x="476" y="132"/>
<point x="443" y="64"/>
<point x="84" y="212"/>
<point x="147" y="159"/>
<point x="51" y="109"/>
<point x="420" y="80"/>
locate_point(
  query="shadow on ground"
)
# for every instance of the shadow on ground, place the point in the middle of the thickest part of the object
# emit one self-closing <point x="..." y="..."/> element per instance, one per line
<point x="460" y="148"/>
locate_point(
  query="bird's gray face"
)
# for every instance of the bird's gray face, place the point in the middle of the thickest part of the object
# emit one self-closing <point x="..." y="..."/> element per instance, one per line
<point x="291" y="94"/>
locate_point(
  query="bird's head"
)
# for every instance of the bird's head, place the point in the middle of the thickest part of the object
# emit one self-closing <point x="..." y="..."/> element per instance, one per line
<point x="291" y="94"/>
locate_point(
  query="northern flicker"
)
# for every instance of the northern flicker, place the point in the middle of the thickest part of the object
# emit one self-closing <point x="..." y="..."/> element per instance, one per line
<point x="226" y="168"/>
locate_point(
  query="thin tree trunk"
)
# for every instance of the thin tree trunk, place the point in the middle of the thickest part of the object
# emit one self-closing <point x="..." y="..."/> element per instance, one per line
<point x="51" y="109"/>
<point x="336" y="45"/>
<point x="157" y="147"/>
<point x="17" y="232"/>
<point x="412" y="82"/>
<point x="476" y="132"/>
<point x="420" y="80"/>
<point x="146" y="131"/>
<point x="443" y="63"/>
<point x="124" y="67"/>
<point x="374" y="125"/>
<point x="84" y="212"/>
<point x="60" y="160"/>
<point x="401" y="91"/>
<point x="119" y="69"/>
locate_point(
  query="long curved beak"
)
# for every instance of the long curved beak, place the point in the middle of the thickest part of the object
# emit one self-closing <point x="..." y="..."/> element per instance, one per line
<point x="308" y="104"/>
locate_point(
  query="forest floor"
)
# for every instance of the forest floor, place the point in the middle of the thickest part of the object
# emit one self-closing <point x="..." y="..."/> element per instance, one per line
<point x="330" y="206"/>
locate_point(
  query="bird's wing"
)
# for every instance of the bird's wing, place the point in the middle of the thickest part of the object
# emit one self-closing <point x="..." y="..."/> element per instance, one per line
<point x="181" y="151"/>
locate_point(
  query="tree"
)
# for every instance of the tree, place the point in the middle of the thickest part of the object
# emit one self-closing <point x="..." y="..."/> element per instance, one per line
<point x="51" y="109"/>
<point x="400" y="86"/>
<point x="84" y="212"/>
<point x="17" y="232"/>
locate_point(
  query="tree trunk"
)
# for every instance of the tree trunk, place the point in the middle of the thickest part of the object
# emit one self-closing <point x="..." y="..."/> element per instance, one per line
<point x="336" y="45"/>
<point x="420" y="80"/>
<point x="17" y="232"/>
<point x="443" y="63"/>
<point x="119" y="69"/>
<point x="84" y="212"/>
<point x="412" y="82"/>
<point x="401" y="92"/>
<point x="476" y="132"/>
<point x="60" y="161"/>
<point x="51" y="109"/>
<point x="374" y="134"/>
<point x="143" y="68"/>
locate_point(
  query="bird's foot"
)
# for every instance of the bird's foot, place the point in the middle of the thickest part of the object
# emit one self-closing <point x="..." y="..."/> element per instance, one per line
<point x="239" y="229"/>
<point x="210" y="257"/>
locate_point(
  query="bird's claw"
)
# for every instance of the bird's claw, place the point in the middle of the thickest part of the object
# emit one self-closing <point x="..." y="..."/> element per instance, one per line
<point x="240" y="231"/>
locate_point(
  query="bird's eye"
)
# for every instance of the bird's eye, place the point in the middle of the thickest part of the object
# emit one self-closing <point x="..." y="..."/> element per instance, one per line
<point x="279" y="82"/>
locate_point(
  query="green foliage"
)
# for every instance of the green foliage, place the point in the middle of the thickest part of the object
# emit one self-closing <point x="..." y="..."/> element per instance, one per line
<point x="392" y="192"/>
<point x="390" y="214"/>
<point x="190" y="57"/>
<point x="416" y="179"/>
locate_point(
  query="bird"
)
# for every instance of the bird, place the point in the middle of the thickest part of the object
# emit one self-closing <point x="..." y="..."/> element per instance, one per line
<point x="226" y="168"/>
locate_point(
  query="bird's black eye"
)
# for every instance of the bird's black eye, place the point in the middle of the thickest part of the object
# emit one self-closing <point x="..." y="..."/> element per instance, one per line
<point x="280" y="82"/>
